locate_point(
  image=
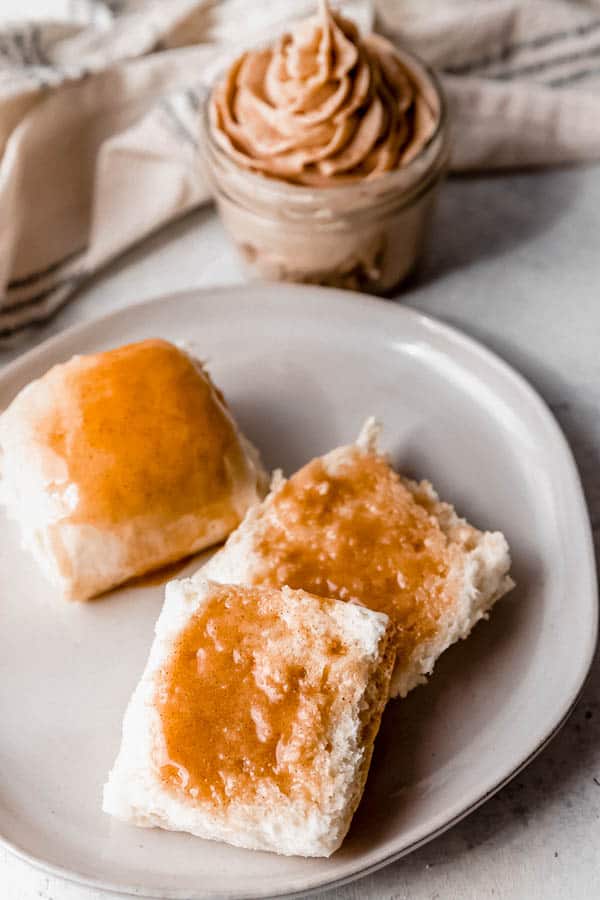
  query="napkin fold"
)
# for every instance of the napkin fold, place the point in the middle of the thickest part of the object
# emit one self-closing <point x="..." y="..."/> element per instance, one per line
<point x="99" y="112"/>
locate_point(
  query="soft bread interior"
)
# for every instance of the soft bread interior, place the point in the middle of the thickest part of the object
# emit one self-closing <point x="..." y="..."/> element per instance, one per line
<point x="310" y="820"/>
<point x="478" y="570"/>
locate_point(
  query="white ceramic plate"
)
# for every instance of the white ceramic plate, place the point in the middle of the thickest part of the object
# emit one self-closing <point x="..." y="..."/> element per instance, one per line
<point x="302" y="368"/>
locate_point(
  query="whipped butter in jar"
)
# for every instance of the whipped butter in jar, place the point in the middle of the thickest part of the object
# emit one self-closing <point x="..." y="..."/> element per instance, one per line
<point x="325" y="152"/>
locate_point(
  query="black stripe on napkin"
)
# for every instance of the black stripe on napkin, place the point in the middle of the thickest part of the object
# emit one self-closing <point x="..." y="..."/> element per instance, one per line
<point x="544" y="65"/>
<point x="178" y="126"/>
<point x="543" y="40"/>
<point x="38" y="298"/>
<point x="63" y="291"/>
<point x="579" y="75"/>
<point x="31" y="279"/>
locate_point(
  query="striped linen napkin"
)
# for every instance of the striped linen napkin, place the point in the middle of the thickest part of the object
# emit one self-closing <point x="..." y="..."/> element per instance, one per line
<point x="99" y="109"/>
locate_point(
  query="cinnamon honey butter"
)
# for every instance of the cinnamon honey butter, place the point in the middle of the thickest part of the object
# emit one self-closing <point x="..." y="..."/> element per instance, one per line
<point x="325" y="151"/>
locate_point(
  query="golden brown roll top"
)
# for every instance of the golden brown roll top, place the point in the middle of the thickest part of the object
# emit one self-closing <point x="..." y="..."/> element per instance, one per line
<point x="120" y="462"/>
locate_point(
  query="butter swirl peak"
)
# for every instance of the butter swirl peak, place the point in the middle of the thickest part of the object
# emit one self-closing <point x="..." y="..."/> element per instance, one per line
<point x="323" y="106"/>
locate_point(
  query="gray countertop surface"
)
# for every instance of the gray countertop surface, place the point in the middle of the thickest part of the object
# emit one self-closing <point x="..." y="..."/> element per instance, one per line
<point x="514" y="260"/>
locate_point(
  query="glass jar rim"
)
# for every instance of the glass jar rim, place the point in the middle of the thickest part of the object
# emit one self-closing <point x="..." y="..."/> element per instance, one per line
<point x="305" y="194"/>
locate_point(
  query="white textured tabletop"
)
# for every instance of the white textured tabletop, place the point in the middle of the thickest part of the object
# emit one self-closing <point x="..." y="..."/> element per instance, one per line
<point x="514" y="261"/>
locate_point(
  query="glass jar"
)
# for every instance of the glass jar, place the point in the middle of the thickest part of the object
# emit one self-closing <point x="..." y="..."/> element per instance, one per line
<point x="362" y="235"/>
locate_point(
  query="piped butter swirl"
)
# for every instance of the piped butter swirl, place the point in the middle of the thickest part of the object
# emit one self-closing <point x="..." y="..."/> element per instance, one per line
<point x="323" y="106"/>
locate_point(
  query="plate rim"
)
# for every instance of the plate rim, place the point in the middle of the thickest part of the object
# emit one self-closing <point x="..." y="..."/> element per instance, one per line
<point x="116" y="890"/>
<point x="492" y="360"/>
